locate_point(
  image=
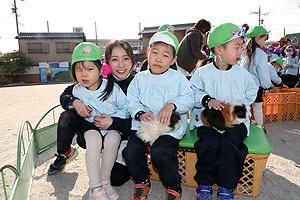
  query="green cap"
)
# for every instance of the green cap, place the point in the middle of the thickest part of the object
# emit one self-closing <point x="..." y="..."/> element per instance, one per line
<point x="86" y="51"/>
<point x="223" y="33"/>
<point x="165" y="37"/>
<point x="278" y="60"/>
<point x="165" y="27"/>
<point x="255" y="31"/>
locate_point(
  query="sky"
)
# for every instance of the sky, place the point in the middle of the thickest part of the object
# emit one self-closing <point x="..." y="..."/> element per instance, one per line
<point x="119" y="19"/>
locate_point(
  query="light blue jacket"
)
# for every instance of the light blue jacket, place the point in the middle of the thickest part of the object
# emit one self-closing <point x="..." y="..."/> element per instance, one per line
<point x="150" y="93"/>
<point x="273" y="74"/>
<point x="235" y="85"/>
<point x="258" y="68"/>
<point x="294" y="70"/>
<point x="114" y="106"/>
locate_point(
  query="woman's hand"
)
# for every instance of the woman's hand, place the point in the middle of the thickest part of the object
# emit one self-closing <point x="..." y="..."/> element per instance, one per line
<point x="81" y="109"/>
<point x="103" y="121"/>
<point x="165" y="113"/>
<point x="215" y="104"/>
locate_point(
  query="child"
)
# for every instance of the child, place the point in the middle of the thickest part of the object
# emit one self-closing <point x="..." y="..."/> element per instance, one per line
<point x="275" y="79"/>
<point x="256" y="63"/>
<point x="102" y="97"/>
<point x="155" y="94"/>
<point x="221" y="156"/>
<point x="290" y="72"/>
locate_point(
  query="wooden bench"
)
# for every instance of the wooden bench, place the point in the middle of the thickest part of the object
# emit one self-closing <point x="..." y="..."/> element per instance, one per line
<point x="249" y="185"/>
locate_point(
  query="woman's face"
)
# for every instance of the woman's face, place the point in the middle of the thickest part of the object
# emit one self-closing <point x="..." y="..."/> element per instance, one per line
<point x="120" y="63"/>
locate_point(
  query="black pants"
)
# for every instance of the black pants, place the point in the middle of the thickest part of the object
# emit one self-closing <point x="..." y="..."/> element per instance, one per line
<point x="220" y="156"/>
<point x="70" y="123"/>
<point x="163" y="155"/>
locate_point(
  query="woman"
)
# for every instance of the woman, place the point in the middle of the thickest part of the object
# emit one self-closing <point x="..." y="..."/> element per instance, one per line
<point x="119" y="56"/>
<point x="189" y="51"/>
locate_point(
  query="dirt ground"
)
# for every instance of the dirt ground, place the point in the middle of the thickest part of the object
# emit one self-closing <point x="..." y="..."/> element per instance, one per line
<point x="281" y="180"/>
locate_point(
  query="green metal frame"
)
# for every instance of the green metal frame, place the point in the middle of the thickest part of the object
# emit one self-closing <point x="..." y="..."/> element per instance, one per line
<point x="38" y="140"/>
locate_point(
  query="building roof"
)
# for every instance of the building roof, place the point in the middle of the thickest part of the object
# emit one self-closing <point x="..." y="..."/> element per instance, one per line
<point x="51" y="35"/>
<point x="177" y="27"/>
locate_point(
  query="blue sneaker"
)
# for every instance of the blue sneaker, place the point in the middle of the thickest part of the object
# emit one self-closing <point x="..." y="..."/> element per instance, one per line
<point x="204" y="192"/>
<point x="224" y="194"/>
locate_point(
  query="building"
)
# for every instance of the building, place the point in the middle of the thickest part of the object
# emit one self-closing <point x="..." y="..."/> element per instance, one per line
<point x="136" y="45"/>
<point x="51" y="53"/>
<point x="48" y="47"/>
<point x="147" y="32"/>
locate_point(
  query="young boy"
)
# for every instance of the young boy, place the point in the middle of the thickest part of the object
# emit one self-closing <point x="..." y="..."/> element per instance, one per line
<point x="275" y="79"/>
<point x="221" y="156"/>
<point x="155" y="94"/>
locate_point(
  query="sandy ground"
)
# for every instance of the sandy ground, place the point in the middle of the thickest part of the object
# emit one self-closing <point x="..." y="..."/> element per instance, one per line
<point x="281" y="180"/>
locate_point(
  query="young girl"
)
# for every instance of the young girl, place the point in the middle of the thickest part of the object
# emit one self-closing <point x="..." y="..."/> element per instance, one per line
<point x="102" y="97"/>
<point x="256" y="63"/>
<point x="290" y="72"/>
<point x="221" y="156"/>
<point x="155" y="94"/>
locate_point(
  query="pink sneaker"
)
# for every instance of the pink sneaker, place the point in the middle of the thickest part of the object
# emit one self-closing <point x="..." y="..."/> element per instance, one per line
<point x="111" y="193"/>
<point x="98" y="194"/>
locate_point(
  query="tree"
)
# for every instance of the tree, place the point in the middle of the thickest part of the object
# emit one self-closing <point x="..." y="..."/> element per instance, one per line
<point x="14" y="63"/>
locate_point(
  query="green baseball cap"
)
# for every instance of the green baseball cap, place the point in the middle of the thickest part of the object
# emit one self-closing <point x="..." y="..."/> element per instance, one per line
<point x="165" y="37"/>
<point x="256" y="30"/>
<point x="165" y="27"/>
<point x="278" y="60"/>
<point x="223" y="33"/>
<point x="86" y="51"/>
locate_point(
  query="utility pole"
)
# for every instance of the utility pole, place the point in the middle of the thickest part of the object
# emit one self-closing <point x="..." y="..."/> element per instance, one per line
<point x="260" y="21"/>
<point x="48" y="26"/>
<point x="14" y="10"/>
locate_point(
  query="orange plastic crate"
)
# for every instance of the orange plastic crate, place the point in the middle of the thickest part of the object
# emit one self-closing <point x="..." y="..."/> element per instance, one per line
<point x="280" y="107"/>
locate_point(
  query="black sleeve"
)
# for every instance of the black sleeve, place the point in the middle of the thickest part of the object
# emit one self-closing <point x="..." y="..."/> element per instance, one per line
<point x="67" y="98"/>
<point x="206" y="99"/>
<point x="122" y="125"/>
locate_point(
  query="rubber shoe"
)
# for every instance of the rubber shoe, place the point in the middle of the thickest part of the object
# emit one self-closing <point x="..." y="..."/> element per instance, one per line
<point x="60" y="162"/>
<point x="225" y="194"/>
<point x="204" y="192"/>
<point x="141" y="192"/>
<point x="172" y="195"/>
<point x="111" y="193"/>
<point x="98" y="194"/>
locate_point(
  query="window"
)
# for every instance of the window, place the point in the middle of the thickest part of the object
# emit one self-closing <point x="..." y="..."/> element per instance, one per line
<point x="38" y="47"/>
<point x="65" y="47"/>
<point x="62" y="47"/>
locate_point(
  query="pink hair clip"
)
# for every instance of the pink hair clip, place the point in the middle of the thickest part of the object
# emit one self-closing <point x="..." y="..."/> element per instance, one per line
<point x="106" y="70"/>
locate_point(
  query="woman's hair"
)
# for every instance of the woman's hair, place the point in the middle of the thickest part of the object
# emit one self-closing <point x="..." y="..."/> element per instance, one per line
<point x="119" y="43"/>
<point x="203" y="25"/>
<point x="206" y="61"/>
<point x="110" y="80"/>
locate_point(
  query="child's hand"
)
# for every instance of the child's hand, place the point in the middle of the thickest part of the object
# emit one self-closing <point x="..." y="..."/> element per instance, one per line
<point x="81" y="109"/>
<point x="285" y="86"/>
<point x="165" y="113"/>
<point x="147" y="117"/>
<point x="287" y="66"/>
<point x="266" y="92"/>
<point x="215" y="104"/>
<point x="103" y="121"/>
